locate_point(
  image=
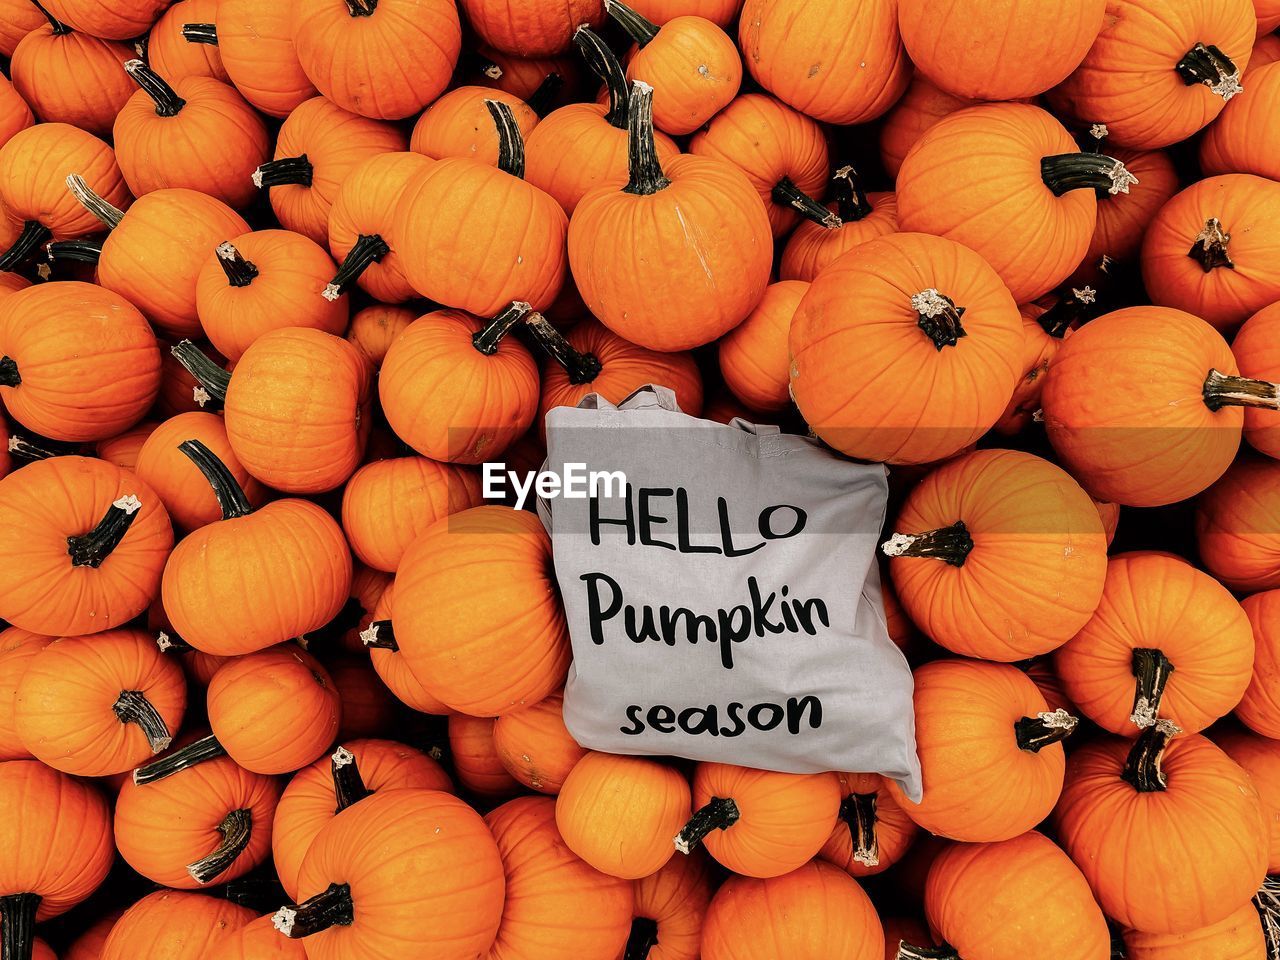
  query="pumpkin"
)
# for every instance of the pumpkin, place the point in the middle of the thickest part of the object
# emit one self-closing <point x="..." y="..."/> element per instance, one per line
<point x="522" y="77"/>
<point x="374" y="328"/>
<point x="357" y="769"/>
<point x="1142" y="406"/>
<point x="1123" y="218"/>
<point x="558" y="907"/>
<point x="813" y="912"/>
<point x="1132" y="809"/>
<point x="95" y="706"/>
<point x="1252" y="348"/>
<point x="919" y="108"/>
<point x="112" y="21"/>
<point x="393" y="670"/>
<point x="45" y="382"/>
<point x="873" y="831"/>
<point x="990" y="751"/>
<point x="170" y="925"/>
<point x="1260" y="758"/>
<point x="459" y="389"/>
<point x="1266" y="50"/>
<point x="1030" y="171"/>
<point x="180" y="391"/>
<point x="17" y="649"/>
<point x="255" y="43"/>
<point x="1239" y="141"/>
<point x="172" y="55"/>
<point x="1159" y="70"/>
<point x="34" y="166"/>
<point x="84" y="543"/>
<point x="475" y="760"/>
<point x="459" y="125"/>
<point x="722" y="12"/>
<point x="861" y="217"/>
<point x="670" y="907"/>
<point x="530" y="28"/>
<point x="196" y="133"/>
<point x="221" y="585"/>
<point x="266" y="280"/>
<point x="999" y="555"/>
<point x="19" y="18"/>
<point x="862" y="67"/>
<point x="535" y="746"/>
<point x="753" y="356"/>
<point x="483" y="657"/>
<point x="1236" y="527"/>
<point x="357" y="869"/>
<point x="193" y="817"/>
<point x="1259" y="708"/>
<point x="88" y="945"/>
<point x="677" y="257"/>
<point x="906" y="309"/>
<point x="975" y="892"/>
<point x="1237" y="937"/>
<point x="259" y="940"/>
<point x="368" y="707"/>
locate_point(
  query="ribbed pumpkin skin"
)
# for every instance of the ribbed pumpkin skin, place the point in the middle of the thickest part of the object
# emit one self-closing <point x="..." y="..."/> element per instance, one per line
<point x="1120" y="838"/>
<point x="373" y="329"/>
<point x="812" y="913"/>
<point x="172" y="56"/>
<point x="1236" y="525"/>
<point x="87" y="358"/>
<point x="1260" y="758"/>
<point x="695" y="70"/>
<point x="722" y="12"/>
<point x="754" y="357"/>
<point x="424" y="841"/>
<point x="459" y="124"/>
<point x="163" y="826"/>
<point x="1266" y="50"/>
<point x="1256" y="351"/>
<point x="920" y="108"/>
<point x="49" y="500"/>
<point x="863" y="68"/>
<point x="256" y="44"/>
<point x="1035" y="574"/>
<point x="894" y="830"/>
<point x="1240" y="141"/>
<point x="676" y="899"/>
<point x="394" y="672"/>
<point x="15" y="113"/>
<point x="857" y="318"/>
<point x="943" y="190"/>
<point x="979" y="786"/>
<point x="488" y="645"/>
<point x="557" y="907"/>
<point x="17" y="648"/>
<point x="1259" y="708"/>
<point x="63" y="707"/>
<point x="107" y="18"/>
<point x="168" y="925"/>
<point x="811" y="247"/>
<point x="530" y="28"/>
<point x="1238" y="937"/>
<point x="1013" y="900"/>
<point x="308" y="802"/>
<point x="1128" y="81"/>
<point x="535" y="746"/>
<point x="258" y="940"/>
<point x="63" y="851"/>
<point x="19" y="17"/>
<point x="475" y="761"/>
<point x="1141" y="447"/>
<point x="72" y="78"/>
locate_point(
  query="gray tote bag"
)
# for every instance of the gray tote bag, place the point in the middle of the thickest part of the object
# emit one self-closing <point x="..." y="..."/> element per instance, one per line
<point x="722" y="593"/>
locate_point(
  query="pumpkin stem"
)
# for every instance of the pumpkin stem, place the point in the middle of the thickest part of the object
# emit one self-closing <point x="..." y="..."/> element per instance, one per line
<point x="787" y="194"/>
<point x="1152" y="669"/>
<point x="644" y="170"/>
<point x="18" y="925"/>
<point x="287" y="170"/>
<point x="1052" y="726"/>
<point x="34" y="233"/>
<point x="1224" y="390"/>
<point x="604" y="64"/>
<point x="329" y="908"/>
<point x="226" y="489"/>
<point x="510" y="142"/>
<point x="379" y="635"/>
<point x="171" y="642"/>
<point x="1210" y="66"/>
<point x="236" y="830"/>
<point x="1077" y="306"/>
<point x="198" y="751"/>
<point x="108" y="214"/>
<point x="361" y="8"/>
<point x="640" y="29"/>
<point x="200" y="33"/>
<point x="643" y="938"/>
<point x="60" y="29"/>
<point x="80" y="251"/>
<point x="720" y="813"/>
<point x="166" y="99"/>
<point x="939" y="318"/>
<point x="92" y="548"/>
<point x="1097" y="134"/>
<point x="858" y="810"/>
<point x="240" y="272"/>
<point x="951" y="545"/>
<point x="368" y="249"/>
<point x="9" y="375"/>
<point x="26" y="448"/>
<point x="212" y="378"/>
<point x="907" y="951"/>
<point x="487" y="340"/>
<point x="1267" y="902"/>
<point x="581" y="367"/>
<point x="852" y="204"/>
<point x="1142" y="768"/>
<point x="132" y="706"/>
<point x="348" y="785"/>
<point x="1210" y="247"/>
<point x="540" y="100"/>
<point x="1075" y="171"/>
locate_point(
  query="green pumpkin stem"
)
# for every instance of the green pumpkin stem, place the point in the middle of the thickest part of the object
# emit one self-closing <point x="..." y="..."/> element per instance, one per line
<point x="1065" y="172"/>
<point x="329" y="908"/>
<point x="488" y="339"/>
<point x="1210" y="247"/>
<point x="77" y="251"/>
<point x="34" y="233"/>
<point x="542" y="99"/>
<point x="287" y="170"/>
<point x="348" y="785"/>
<point x="603" y="62"/>
<point x="166" y="99"/>
<point x="907" y="951"/>
<point x="226" y="489"/>
<point x="939" y="318"/>
<point x="107" y="213"/>
<point x="1226" y="390"/>
<point x="1210" y="66"/>
<point x="240" y="272"/>
<point x="362" y="8"/>
<point x="639" y="28"/>
<point x="184" y="758"/>
<point x="1151" y="670"/>
<point x="719" y="814"/>
<point x="132" y="706"/>
<point x="9" y="375"/>
<point x="1142" y="768"/>
<point x="858" y="812"/>
<point x="379" y="635"/>
<point x="1052" y="726"/>
<point x="787" y="194"/>
<point x="1267" y="902"/>
<point x="852" y="204"/>
<point x="60" y="29"/>
<point x="952" y="544"/>
<point x="18" y="925"/>
<point x="642" y="939"/>
<point x="200" y="33"/>
<point x="91" y="549"/>
<point x="367" y="250"/>
<point x="212" y="378"/>
<point x="644" y="170"/>
<point x="236" y="830"/>
<point x="581" y="367"/>
<point x="510" y="142"/>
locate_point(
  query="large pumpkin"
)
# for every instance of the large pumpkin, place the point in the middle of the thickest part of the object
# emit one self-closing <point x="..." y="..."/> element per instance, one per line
<point x="1259" y="708"/>
<point x="1241" y="140"/>
<point x="170" y="925"/>
<point x="1236" y="525"/>
<point x="256" y="44"/>
<point x="873" y="831"/>
<point x="861" y="217"/>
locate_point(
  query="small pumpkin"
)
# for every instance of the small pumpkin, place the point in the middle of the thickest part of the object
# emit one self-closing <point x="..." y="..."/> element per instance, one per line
<point x="172" y="55"/>
<point x="374" y="328"/>
<point x="88" y="945"/>
<point x="475" y="760"/>
<point x="1260" y="758"/>
<point x="860" y="217"/>
<point x="754" y="358"/>
<point x="873" y="831"/>
<point x="368" y="707"/>
<point x="1123" y="218"/>
<point x="17" y="648"/>
<point x="535" y="746"/>
<point x="255" y="42"/>
<point x="488" y="67"/>
<point x="258" y="940"/>
<point x="171" y="925"/>
<point x="1236" y="525"/>
<point x="1238" y="937"/>
<point x="394" y="672"/>
<point x="529" y="28"/>
<point x="1259" y="708"/>
<point x="1258" y="359"/>
<point x="459" y="124"/>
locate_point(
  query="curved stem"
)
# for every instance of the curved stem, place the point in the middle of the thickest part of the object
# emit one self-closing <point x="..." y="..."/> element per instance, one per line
<point x="368" y="249"/>
<point x="510" y="142"/>
<point x="952" y="545"/>
<point x="230" y="496"/>
<point x="1224" y="390"/>
<point x="59" y="28"/>
<point x="200" y="33"/>
<point x="1210" y="247"/>
<point x="639" y="28"/>
<point x="719" y="814"/>
<point x="858" y="811"/>
<point x="787" y="194"/>
<point x="1052" y="726"/>
<point x="852" y="204"/>
<point x="361" y="8"/>
<point x="330" y="908"/>
<point x="25" y="448"/>
<point x="198" y="751"/>
<point x="286" y="170"/>
<point x="108" y="214"/>
<point x="644" y="170"/>
<point x="132" y="706"/>
<point x="236" y="831"/>
<point x="1151" y="668"/>
<point x="240" y="272"/>
<point x="166" y="99"/>
<point x="1208" y="65"/>
<point x="18" y="925"/>
<point x="939" y="317"/>
<point x="542" y="99"/>
<point x="78" y="251"/>
<point x="581" y="367"/>
<point x="487" y="340"/>
<point x="1142" y="768"/>
<point x="907" y="951"/>
<point x="9" y="374"/>
<point x="348" y="785"/>
<point x="34" y="233"/>
<point x="92" y="549"/>
<point x="642" y="939"/>
<point x="603" y="62"/>
<point x="379" y="635"/>
<point x="1075" y="171"/>
<point x="208" y="374"/>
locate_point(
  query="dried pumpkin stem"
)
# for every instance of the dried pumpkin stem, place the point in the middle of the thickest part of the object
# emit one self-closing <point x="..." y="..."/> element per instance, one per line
<point x="639" y="28"/>
<point x="1052" y="726"/>
<point x="60" y="29"/>
<point x="581" y="367"/>
<point x="132" y="706"/>
<point x="603" y="62"/>
<point x="1267" y="902"/>
<point x="34" y="233"/>
<point x="226" y="489"/>
<point x="240" y="272"/>
<point x="348" y="785"/>
<point x="171" y="642"/>
<point x="79" y="251"/>
<point x="1065" y="172"/>
<point x="939" y="318"/>
<point x="287" y="170"/>
<point x="379" y="635"/>
<point x="198" y="751"/>
<point x="1151" y="668"/>
<point x="92" y="548"/>
<point x="108" y="214"/>
<point x="1224" y="390"/>
<point x="9" y="375"/>
<point x="644" y="171"/>
<point x="200" y="33"/>
<point x="642" y="939"/>
<point x="1077" y="305"/>
<point x="488" y="339"/>
<point x="236" y="830"/>
<point x="1098" y="134"/>
<point x="166" y="99"/>
<point x="362" y="8"/>
<point x="510" y="142"/>
<point x="208" y="374"/>
<point x="1208" y="65"/>
<point x="907" y="951"/>
<point x="18" y="925"/>
<point x="720" y="813"/>
<point x="951" y="545"/>
<point x="858" y="811"/>
<point x="786" y="194"/>
<point x="1210" y="247"/>
<point x="1142" y="768"/>
<point x="542" y="99"/>
<point x="367" y="250"/>
<point x="852" y="204"/>
<point x="329" y="908"/>
<point x="27" y="448"/>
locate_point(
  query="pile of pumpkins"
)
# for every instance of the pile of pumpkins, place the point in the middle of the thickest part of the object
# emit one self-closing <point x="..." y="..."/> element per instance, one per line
<point x="277" y="278"/>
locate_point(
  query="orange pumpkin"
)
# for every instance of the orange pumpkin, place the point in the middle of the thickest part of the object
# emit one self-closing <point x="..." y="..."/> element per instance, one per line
<point x="19" y="18"/>
<point x="180" y="390"/>
<point x="535" y="746"/>
<point x="259" y="940"/>
<point x="171" y="54"/>
<point x="1259" y="708"/>
<point x="521" y="77"/>
<point x="169" y="925"/>
<point x="475" y="761"/>
<point x="255" y="44"/>
<point x="1259" y="360"/>
<point x="861" y="217"/>
<point x="670" y="908"/>
<point x="873" y="831"/>
<point x="1239" y="141"/>
<point x="906" y="309"/>
<point x="1260" y="758"/>
<point x="459" y="125"/>
<point x="1236" y="525"/>
<point x="393" y="670"/>
<point x="1266" y="50"/>
<point x="1123" y="218"/>
<point x="88" y="945"/>
<point x="722" y="12"/>
<point x="368" y="707"/>
<point x="113" y="21"/>
<point x="530" y="28"/>
<point x="754" y="359"/>
<point x="920" y="108"/>
<point x="373" y="329"/>
<point x="1238" y="937"/>
<point x="17" y="648"/>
